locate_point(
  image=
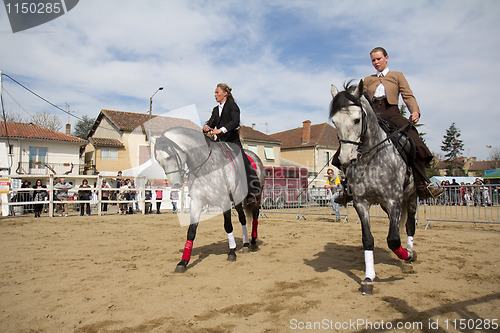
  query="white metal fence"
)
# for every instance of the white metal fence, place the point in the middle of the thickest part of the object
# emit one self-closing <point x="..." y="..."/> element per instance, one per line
<point x="475" y="204"/>
<point x="21" y="200"/>
<point x="465" y="203"/>
<point x="471" y="203"/>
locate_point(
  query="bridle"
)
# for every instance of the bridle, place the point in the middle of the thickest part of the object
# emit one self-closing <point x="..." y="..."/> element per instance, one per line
<point x="171" y="150"/>
<point x="358" y="143"/>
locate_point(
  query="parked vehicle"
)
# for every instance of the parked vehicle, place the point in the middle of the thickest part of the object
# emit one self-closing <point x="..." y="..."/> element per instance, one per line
<point x="284" y="186"/>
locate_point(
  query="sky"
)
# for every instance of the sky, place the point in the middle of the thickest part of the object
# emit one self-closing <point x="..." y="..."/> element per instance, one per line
<point x="280" y="58"/>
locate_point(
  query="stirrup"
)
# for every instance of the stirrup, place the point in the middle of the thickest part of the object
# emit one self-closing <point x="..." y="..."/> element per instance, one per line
<point x="435" y="191"/>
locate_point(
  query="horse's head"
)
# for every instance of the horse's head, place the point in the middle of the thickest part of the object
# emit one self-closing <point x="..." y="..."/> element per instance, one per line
<point x="348" y="116"/>
<point x="172" y="159"/>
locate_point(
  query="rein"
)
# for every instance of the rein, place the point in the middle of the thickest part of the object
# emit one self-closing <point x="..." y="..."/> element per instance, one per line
<point x="180" y="168"/>
<point x="364" y="129"/>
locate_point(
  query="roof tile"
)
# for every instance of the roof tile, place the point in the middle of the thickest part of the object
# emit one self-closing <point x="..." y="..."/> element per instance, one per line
<point x="32" y="131"/>
<point x="321" y="135"/>
<point x="248" y="133"/>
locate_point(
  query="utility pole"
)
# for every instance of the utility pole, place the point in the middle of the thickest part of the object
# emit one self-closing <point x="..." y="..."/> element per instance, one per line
<point x="150" y="122"/>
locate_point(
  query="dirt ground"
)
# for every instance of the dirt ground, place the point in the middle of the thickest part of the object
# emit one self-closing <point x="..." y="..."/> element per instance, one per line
<point x="115" y="274"/>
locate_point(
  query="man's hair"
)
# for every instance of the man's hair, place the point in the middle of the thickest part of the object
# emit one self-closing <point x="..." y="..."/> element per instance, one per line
<point x="224" y="87"/>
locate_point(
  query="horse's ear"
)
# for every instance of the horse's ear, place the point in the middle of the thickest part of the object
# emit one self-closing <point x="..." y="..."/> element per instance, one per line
<point x="359" y="90"/>
<point x="334" y="91"/>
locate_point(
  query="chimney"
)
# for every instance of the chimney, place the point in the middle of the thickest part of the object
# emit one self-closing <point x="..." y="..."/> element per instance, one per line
<point x="306" y="131"/>
<point x="68" y="129"/>
<point x="253" y="125"/>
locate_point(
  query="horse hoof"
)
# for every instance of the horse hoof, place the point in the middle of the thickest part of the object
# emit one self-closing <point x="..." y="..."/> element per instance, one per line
<point x="366" y="287"/>
<point x="413" y="256"/>
<point x="245" y="248"/>
<point x="180" y="269"/>
<point x="231" y="256"/>
<point x="407" y="267"/>
<point x="253" y="244"/>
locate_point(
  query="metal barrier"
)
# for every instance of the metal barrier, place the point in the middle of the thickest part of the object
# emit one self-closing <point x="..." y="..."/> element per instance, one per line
<point x="18" y="199"/>
<point x="474" y="204"/>
<point x="301" y="203"/>
<point x="468" y="203"/>
<point x="465" y="203"/>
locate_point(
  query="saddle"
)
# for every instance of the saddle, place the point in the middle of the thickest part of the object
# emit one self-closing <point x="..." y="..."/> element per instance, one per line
<point x="401" y="140"/>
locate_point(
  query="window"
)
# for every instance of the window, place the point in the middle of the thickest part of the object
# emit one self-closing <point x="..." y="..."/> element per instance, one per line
<point x="291" y="173"/>
<point x="269" y="152"/>
<point x="327" y="157"/>
<point x="109" y="154"/>
<point x="253" y="149"/>
<point x="38" y="157"/>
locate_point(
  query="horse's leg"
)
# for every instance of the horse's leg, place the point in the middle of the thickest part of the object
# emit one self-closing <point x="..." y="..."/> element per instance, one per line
<point x="244" y="230"/>
<point x="255" y="224"/>
<point x="188" y="247"/>
<point x="228" y="226"/>
<point x="362" y="208"/>
<point x="393" y="238"/>
<point x="411" y="226"/>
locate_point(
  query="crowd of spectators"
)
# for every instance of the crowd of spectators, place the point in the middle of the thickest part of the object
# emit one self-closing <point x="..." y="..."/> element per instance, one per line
<point x="478" y="193"/>
<point x="64" y="193"/>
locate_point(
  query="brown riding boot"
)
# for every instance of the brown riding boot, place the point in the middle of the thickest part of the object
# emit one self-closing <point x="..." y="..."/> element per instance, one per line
<point x="425" y="190"/>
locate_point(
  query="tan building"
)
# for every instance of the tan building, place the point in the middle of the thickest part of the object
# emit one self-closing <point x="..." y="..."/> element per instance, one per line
<point x="471" y="166"/>
<point x="121" y="140"/>
<point x="311" y="146"/>
<point x="265" y="146"/>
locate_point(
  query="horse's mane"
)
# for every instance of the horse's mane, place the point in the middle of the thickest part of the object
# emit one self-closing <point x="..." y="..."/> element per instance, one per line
<point x="345" y="98"/>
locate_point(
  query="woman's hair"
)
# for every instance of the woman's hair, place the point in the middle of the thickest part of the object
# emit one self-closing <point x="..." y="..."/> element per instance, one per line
<point x="379" y="49"/>
<point x="224" y="87"/>
<point x="85" y="181"/>
<point x="38" y="180"/>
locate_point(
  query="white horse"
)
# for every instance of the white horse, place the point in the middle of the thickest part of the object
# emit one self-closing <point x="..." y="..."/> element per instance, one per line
<point x="216" y="176"/>
<point x="376" y="174"/>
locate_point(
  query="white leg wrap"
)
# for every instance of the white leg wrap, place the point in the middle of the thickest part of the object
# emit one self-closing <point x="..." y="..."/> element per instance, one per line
<point x="232" y="242"/>
<point x="244" y="231"/>
<point x="369" y="265"/>
<point x="409" y="243"/>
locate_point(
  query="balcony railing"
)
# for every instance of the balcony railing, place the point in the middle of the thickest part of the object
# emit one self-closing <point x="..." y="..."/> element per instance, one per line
<point x="41" y="168"/>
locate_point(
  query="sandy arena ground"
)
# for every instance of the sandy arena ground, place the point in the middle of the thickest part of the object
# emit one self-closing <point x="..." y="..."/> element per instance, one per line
<point x="115" y="274"/>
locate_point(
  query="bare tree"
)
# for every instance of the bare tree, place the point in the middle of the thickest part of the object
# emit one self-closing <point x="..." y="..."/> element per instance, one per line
<point x="495" y="157"/>
<point x="47" y="120"/>
<point x="14" y="117"/>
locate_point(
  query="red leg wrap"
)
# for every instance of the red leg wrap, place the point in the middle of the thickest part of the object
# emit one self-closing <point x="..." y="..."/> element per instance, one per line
<point x="401" y="253"/>
<point x="255" y="223"/>
<point x="187" y="250"/>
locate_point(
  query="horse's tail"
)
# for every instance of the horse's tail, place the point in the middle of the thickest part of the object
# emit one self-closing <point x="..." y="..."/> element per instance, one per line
<point x="404" y="218"/>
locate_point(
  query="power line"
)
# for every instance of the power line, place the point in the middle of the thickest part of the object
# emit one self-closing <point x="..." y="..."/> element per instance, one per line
<point x="37" y="95"/>
<point x="3" y="88"/>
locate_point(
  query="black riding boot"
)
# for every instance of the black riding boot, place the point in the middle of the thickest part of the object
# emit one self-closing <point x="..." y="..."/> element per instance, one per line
<point x="254" y="189"/>
<point x="345" y="196"/>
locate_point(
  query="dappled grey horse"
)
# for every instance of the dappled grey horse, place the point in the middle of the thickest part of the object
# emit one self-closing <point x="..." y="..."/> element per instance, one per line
<point x="376" y="174"/>
<point x="216" y="176"/>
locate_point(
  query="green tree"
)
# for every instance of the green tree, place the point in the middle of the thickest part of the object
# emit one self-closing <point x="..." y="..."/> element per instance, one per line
<point x="83" y="127"/>
<point x="453" y="147"/>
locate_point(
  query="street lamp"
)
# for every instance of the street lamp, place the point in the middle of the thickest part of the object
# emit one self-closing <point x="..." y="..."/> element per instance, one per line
<point x="150" y="122"/>
<point x="151" y="102"/>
